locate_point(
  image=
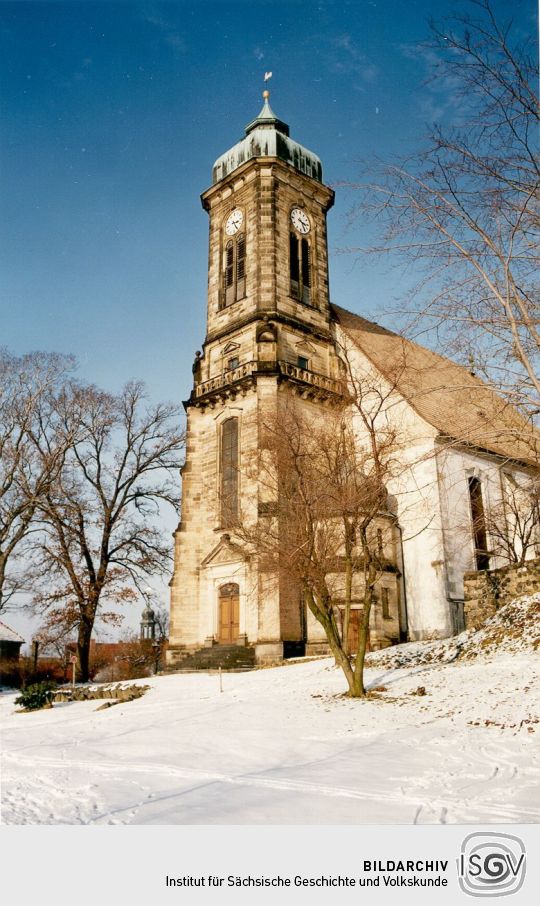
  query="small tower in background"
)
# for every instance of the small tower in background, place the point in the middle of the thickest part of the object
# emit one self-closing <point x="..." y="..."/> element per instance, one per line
<point x="148" y="624"/>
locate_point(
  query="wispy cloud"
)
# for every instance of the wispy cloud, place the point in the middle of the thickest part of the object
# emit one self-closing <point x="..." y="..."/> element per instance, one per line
<point x="441" y="96"/>
<point x="169" y="32"/>
<point x="347" y="58"/>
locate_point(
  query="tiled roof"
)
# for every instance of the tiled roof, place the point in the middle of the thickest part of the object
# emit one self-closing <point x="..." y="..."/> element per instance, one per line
<point x="447" y="396"/>
<point x="9" y="635"/>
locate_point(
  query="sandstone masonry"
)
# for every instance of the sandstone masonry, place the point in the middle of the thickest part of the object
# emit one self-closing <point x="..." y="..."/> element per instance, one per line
<point x="489" y="590"/>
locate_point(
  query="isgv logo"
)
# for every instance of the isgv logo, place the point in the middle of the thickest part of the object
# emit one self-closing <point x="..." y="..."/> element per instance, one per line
<point x="491" y="865"/>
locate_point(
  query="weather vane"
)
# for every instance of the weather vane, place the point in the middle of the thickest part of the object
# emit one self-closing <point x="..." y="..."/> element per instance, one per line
<point x="267" y="76"/>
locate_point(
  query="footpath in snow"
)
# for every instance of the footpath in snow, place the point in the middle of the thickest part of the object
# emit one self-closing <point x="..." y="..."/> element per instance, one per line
<point x="451" y="737"/>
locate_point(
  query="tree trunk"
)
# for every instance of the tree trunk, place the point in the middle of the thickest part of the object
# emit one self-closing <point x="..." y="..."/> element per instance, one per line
<point x="2" y="578"/>
<point x="363" y="637"/>
<point x="363" y="632"/>
<point x="324" y="616"/>
<point x="83" y="648"/>
<point x="348" y="596"/>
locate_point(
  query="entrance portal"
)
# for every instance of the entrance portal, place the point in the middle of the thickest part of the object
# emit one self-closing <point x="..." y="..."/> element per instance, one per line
<point x="229" y="614"/>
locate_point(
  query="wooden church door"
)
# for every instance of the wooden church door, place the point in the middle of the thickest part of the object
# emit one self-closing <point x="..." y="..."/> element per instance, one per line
<point x="354" y="625"/>
<point x="354" y="631"/>
<point x="229" y="614"/>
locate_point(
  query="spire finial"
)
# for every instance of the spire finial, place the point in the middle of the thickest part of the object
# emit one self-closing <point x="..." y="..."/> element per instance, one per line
<point x="266" y="93"/>
<point x="267" y="119"/>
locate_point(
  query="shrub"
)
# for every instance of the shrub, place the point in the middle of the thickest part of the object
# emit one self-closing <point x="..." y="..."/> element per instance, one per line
<point x="21" y="673"/>
<point x="37" y="696"/>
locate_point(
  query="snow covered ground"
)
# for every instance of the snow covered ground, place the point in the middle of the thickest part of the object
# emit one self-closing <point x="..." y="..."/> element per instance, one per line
<point x="283" y="746"/>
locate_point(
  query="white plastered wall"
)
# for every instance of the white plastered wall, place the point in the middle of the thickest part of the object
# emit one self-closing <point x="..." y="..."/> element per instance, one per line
<point x="413" y="485"/>
<point x="455" y="467"/>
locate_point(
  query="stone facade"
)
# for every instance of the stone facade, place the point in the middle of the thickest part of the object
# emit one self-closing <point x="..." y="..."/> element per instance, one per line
<point x="273" y="336"/>
<point x="487" y="591"/>
<point x="263" y="345"/>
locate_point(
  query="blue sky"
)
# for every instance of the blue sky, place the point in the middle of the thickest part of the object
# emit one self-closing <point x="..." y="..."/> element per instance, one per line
<point x="113" y="114"/>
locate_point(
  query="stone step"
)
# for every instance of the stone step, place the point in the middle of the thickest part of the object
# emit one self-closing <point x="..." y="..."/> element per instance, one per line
<point x="228" y="657"/>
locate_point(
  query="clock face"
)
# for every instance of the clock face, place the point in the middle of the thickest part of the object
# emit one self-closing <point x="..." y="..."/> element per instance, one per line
<point x="300" y="220"/>
<point x="234" y="222"/>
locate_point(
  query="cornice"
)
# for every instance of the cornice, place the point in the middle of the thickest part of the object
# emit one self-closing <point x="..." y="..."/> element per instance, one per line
<point x="318" y="190"/>
<point x="270" y="317"/>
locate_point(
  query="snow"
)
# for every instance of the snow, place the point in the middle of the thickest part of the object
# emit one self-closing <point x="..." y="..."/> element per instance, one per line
<point x="284" y="746"/>
<point x="7" y="634"/>
<point x="515" y="627"/>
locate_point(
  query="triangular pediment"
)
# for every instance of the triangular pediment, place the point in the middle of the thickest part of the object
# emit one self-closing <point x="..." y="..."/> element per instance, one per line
<point x="305" y="346"/>
<point x="224" y="552"/>
<point x="230" y="347"/>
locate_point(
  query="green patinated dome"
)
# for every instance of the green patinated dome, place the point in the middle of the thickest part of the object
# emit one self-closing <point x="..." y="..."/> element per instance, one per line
<point x="267" y="136"/>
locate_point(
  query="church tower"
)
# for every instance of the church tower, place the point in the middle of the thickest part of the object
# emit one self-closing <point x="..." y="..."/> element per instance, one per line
<point x="268" y="330"/>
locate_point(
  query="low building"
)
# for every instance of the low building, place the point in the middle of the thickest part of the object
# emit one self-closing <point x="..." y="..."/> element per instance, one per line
<point x="10" y="645"/>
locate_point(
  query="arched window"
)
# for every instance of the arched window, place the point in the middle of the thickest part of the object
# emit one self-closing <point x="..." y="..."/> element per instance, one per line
<point x="229" y="472"/>
<point x="241" y="266"/>
<point x="300" y="268"/>
<point x="478" y="518"/>
<point x="229" y="264"/>
<point x="234" y="270"/>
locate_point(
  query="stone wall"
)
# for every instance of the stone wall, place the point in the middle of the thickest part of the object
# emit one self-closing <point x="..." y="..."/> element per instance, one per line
<point x="487" y="591"/>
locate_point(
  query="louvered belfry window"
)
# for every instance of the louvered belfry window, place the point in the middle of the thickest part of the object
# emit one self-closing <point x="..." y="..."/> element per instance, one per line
<point x="234" y="270"/>
<point x="300" y="268"/>
<point x="229" y="264"/>
<point x="241" y="267"/>
<point x="229" y="472"/>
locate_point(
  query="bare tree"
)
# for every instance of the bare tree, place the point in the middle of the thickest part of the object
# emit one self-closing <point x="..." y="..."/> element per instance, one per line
<point x="513" y="525"/>
<point x="326" y="523"/>
<point x="101" y="537"/>
<point x="33" y="444"/>
<point x="161" y="616"/>
<point x="464" y="209"/>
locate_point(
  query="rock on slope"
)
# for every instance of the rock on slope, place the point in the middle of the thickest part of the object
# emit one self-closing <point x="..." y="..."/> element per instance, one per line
<point x="514" y="628"/>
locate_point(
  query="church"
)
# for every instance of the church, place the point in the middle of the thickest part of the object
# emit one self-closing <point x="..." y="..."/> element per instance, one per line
<point x="273" y="334"/>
